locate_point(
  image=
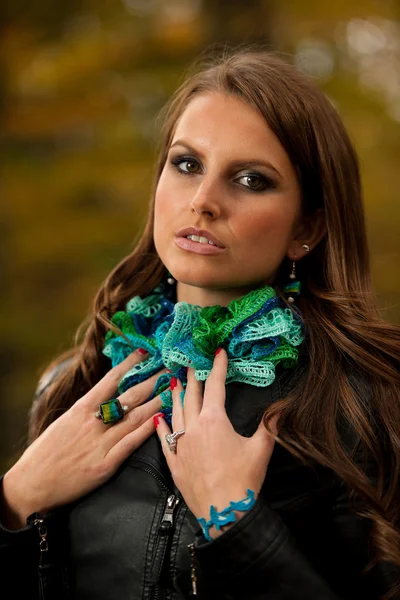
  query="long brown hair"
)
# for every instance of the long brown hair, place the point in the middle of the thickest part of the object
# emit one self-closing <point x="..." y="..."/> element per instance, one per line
<point x="347" y="341"/>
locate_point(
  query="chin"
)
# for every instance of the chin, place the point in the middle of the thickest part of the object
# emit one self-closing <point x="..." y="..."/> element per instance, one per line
<point x="204" y="281"/>
<point x="216" y="284"/>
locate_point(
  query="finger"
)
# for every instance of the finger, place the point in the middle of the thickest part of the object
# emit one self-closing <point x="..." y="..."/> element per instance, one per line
<point x="128" y="444"/>
<point x="162" y="430"/>
<point x="139" y="393"/>
<point x="214" y="390"/>
<point x="107" y="387"/>
<point x="129" y="400"/>
<point x="178" y="419"/>
<point x="133" y="420"/>
<point x="193" y="398"/>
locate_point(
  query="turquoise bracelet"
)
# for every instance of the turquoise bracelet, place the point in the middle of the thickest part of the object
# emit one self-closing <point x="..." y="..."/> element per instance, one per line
<point x="227" y="515"/>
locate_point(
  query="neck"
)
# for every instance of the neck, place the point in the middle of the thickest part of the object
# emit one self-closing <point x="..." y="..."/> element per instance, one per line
<point x="209" y="297"/>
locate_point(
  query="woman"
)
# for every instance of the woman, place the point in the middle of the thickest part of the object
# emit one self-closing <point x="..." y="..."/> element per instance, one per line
<point x="278" y="478"/>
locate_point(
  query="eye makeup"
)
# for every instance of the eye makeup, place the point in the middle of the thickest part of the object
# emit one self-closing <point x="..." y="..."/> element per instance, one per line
<point x="254" y="181"/>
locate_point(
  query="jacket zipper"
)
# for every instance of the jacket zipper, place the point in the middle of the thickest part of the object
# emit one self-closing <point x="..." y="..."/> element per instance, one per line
<point x="158" y="476"/>
<point x="193" y="575"/>
<point x="164" y="531"/>
<point x="165" y="527"/>
<point x="168" y="516"/>
<point x="40" y="525"/>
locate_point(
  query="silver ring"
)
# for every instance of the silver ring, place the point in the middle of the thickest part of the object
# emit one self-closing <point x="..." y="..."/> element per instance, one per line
<point x="171" y="439"/>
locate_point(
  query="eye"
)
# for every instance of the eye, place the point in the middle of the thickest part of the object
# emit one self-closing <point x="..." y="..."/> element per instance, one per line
<point x="186" y="165"/>
<point x="256" y="182"/>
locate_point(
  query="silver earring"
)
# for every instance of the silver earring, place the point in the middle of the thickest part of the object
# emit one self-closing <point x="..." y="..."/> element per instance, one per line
<point x="293" y="273"/>
<point x="292" y="288"/>
<point x="170" y="279"/>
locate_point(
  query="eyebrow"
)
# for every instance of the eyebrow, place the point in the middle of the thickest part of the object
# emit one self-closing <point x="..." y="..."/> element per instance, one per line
<point x="235" y="163"/>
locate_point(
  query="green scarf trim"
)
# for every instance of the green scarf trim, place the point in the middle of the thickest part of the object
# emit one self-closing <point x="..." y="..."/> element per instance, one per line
<point x="258" y="332"/>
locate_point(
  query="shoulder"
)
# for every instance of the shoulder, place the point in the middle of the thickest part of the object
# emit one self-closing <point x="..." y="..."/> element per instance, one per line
<point x="50" y="376"/>
<point x="38" y="407"/>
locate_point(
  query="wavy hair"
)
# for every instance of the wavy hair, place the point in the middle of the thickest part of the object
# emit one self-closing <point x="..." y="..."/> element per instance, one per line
<point x="345" y="334"/>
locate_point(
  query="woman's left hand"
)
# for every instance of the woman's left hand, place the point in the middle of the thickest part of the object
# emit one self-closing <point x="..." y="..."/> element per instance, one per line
<point x="213" y="465"/>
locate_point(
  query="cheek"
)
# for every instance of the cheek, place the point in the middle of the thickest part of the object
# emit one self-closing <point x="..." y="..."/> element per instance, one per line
<point x="269" y="228"/>
<point x="165" y="203"/>
<point x="160" y="207"/>
<point x="166" y="211"/>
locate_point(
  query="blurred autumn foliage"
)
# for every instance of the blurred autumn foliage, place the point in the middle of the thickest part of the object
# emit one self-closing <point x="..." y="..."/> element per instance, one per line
<point x="81" y="84"/>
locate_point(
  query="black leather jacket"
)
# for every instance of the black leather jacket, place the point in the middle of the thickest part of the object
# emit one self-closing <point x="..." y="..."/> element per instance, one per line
<point x="132" y="538"/>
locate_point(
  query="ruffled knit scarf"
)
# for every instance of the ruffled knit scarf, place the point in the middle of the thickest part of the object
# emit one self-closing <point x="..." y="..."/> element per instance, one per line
<point x="258" y="332"/>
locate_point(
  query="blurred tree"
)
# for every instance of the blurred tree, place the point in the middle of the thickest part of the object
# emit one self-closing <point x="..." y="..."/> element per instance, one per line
<point x="7" y="355"/>
<point x="229" y="21"/>
<point x="47" y="15"/>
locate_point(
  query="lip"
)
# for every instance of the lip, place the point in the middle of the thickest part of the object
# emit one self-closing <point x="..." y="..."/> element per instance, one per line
<point x="189" y="246"/>
<point x="198" y="248"/>
<point x="185" y="231"/>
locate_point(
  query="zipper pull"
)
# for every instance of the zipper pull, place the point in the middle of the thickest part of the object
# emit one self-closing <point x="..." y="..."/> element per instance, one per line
<point x="42" y="529"/>
<point x="164" y="531"/>
<point x="168" y="516"/>
<point x="193" y="575"/>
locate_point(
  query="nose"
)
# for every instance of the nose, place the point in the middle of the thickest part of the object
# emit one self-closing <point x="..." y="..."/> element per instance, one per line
<point x="207" y="200"/>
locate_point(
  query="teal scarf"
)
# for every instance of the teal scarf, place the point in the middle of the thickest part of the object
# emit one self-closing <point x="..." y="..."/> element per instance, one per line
<point x="258" y="332"/>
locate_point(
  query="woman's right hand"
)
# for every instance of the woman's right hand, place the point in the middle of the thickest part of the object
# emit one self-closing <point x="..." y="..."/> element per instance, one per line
<point x="77" y="452"/>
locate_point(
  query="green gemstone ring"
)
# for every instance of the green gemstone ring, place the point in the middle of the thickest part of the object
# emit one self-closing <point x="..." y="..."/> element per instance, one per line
<point x="111" y="411"/>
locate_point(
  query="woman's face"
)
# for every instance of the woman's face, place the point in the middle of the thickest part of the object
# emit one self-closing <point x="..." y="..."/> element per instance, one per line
<point x="227" y="180"/>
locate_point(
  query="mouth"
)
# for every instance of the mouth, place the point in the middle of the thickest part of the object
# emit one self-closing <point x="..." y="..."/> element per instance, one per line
<point x="199" y="236"/>
<point x="198" y="241"/>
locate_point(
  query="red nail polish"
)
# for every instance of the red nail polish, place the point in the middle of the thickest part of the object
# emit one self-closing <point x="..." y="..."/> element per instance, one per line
<point x="173" y="383"/>
<point x="218" y="350"/>
<point x="156" y="419"/>
<point x="142" y="351"/>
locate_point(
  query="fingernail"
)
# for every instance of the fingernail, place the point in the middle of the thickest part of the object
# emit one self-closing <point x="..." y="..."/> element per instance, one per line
<point x="218" y="350"/>
<point x="142" y="351"/>
<point x="156" y="419"/>
<point x="173" y="383"/>
<point x="169" y="371"/>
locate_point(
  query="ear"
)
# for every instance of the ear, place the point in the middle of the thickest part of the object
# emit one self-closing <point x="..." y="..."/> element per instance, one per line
<point x="309" y="230"/>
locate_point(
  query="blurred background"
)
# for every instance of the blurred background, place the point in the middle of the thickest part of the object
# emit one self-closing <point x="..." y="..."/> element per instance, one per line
<point x="81" y="83"/>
